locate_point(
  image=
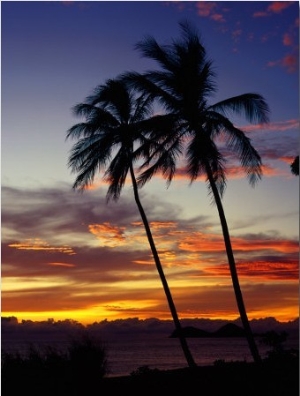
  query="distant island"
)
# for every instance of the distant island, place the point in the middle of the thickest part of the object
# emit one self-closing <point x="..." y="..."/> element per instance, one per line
<point x="228" y="330"/>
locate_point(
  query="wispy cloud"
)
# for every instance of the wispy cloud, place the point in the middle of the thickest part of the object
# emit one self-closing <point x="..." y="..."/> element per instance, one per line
<point x="275" y="7"/>
<point x="38" y="244"/>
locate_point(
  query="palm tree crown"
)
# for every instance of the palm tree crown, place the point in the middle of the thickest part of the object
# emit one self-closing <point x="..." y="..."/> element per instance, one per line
<point x="114" y="119"/>
<point x="183" y="87"/>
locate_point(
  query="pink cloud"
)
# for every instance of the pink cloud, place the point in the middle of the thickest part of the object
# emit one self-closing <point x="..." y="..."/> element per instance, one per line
<point x="67" y="3"/>
<point x="289" y="62"/>
<point x="236" y="33"/>
<point x="287" y="40"/>
<point x="260" y="14"/>
<point x="273" y="126"/>
<point x="217" y="17"/>
<point x="207" y="9"/>
<point x="275" y="7"/>
<point x="278" y="6"/>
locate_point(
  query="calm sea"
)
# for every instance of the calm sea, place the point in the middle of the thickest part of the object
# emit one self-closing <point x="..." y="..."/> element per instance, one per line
<point x="166" y="353"/>
<point x="127" y="354"/>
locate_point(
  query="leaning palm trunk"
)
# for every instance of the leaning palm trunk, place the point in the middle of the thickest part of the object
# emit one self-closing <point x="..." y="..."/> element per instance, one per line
<point x="183" y="342"/>
<point x="233" y="271"/>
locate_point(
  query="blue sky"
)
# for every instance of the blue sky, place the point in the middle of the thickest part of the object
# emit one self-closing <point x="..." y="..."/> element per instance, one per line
<point x="52" y="56"/>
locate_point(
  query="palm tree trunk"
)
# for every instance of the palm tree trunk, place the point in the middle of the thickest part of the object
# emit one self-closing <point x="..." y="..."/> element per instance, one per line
<point x="183" y="342"/>
<point x="233" y="271"/>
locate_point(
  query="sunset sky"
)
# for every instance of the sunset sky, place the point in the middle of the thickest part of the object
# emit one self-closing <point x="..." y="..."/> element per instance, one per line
<point x="67" y="254"/>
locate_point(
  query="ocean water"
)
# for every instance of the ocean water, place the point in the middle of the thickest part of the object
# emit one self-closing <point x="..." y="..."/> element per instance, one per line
<point x="166" y="353"/>
<point x="126" y="354"/>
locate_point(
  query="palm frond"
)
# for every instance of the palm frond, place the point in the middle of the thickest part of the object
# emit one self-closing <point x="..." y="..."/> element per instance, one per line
<point x="241" y="146"/>
<point x="116" y="173"/>
<point x="250" y="105"/>
<point x="163" y="158"/>
<point x="149" y="48"/>
<point x="85" y="160"/>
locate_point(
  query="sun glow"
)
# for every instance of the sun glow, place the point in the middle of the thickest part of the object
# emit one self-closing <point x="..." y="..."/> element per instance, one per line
<point x="131" y="309"/>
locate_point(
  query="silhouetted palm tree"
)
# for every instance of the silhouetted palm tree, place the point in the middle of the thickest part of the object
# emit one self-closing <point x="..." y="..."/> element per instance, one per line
<point x="182" y="86"/>
<point x="112" y="139"/>
<point x="295" y="166"/>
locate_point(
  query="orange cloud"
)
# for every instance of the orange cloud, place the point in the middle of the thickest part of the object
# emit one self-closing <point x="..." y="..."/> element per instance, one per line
<point x="260" y="269"/>
<point x="38" y="244"/>
<point x="200" y="242"/>
<point x="67" y="265"/>
<point x="232" y="172"/>
<point x="163" y="224"/>
<point x="268" y="171"/>
<point x="108" y="234"/>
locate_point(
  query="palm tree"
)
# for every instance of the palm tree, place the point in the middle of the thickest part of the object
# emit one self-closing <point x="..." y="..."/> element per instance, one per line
<point x="183" y="85"/>
<point x="112" y="139"/>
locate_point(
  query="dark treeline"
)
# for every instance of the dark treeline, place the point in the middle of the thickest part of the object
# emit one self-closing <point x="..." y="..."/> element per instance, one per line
<point x="11" y="326"/>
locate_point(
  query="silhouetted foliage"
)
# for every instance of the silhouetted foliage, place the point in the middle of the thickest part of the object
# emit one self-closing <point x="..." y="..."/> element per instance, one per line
<point x="87" y="358"/>
<point x="144" y="370"/>
<point x="278" y="353"/>
<point x="48" y="371"/>
<point x="295" y="166"/>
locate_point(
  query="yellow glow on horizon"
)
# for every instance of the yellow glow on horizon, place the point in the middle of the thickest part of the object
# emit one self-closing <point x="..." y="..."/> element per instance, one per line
<point x="283" y="314"/>
<point x="16" y="284"/>
<point x="120" y="311"/>
<point x="113" y="311"/>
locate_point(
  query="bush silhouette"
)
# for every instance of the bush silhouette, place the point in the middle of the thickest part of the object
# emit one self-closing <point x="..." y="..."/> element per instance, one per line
<point x="51" y="371"/>
<point x="278" y="353"/>
<point x="87" y="357"/>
